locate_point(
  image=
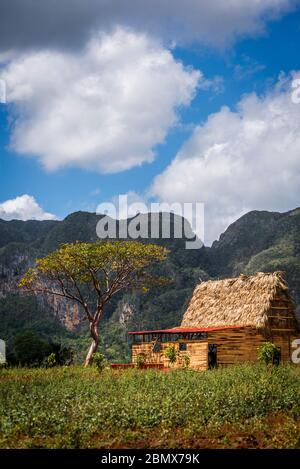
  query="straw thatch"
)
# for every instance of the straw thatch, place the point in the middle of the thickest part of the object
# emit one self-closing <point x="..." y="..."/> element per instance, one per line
<point x="243" y="301"/>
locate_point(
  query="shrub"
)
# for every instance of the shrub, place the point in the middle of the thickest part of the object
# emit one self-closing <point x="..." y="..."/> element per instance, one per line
<point x="269" y="353"/>
<point x="171" y="354"/>
<point x="186" y="360"/>
<point x="100" y="361"/>
<point x="51" y="360"/>
<point x="30" y="349"/>
<point x="140" y="360"/>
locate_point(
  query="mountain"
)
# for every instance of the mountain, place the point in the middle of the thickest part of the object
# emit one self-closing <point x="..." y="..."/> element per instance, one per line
<point x="258" y="241"/>
<point x="31" y="232"/>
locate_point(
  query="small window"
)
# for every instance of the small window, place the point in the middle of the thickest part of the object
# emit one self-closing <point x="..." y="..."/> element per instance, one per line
<point x="182" y="347"/>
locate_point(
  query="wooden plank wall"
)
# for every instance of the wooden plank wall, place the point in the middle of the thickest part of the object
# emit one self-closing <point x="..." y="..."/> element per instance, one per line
<point x="198" y="353"/>
<point x="281" y="316"/>
<point x="236" y="345"/>
<point x="240" y="345"/>
<point x="285" y="346"/>
<point x="196" y="350"/>
<point x="283" y="324"/>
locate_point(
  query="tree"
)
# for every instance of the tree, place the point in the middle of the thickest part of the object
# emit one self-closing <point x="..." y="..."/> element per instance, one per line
<point x="91" y="273"/>
<point x="30" y="349"/>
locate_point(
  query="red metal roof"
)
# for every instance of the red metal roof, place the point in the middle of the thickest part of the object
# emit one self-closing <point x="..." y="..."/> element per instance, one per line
<point x="177" y="330"/>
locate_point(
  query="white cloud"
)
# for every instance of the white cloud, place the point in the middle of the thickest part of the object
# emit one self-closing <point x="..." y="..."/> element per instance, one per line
<point x="24" y="207"/>
<point x="104" y="108"/>
<point x="239" y="161"/>
<point x="215" y="84"/>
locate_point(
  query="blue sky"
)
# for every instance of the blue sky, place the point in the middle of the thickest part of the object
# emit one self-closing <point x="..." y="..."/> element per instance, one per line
<point x="251" y="64"/>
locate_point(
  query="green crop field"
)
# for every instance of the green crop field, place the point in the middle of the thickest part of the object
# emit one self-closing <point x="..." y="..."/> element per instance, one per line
<point x="71" y="407"/>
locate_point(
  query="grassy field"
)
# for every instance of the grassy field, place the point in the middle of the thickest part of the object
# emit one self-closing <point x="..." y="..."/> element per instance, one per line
<point x="239" y="407"/>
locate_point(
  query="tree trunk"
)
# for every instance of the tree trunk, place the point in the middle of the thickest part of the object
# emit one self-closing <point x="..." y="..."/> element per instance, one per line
<point x="94" y="345"/>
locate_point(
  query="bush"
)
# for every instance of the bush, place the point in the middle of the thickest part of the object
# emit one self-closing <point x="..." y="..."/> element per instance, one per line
<point x="63" y="354"/>
<point x="51" y="361"/>
<point x="140" y="360"/>
<point x="100" y="361"/>
<point x="186" y="360"/>
<point x="171" y="354"/>
<point x="269" y="353"/>
<point x="30" y="349"/>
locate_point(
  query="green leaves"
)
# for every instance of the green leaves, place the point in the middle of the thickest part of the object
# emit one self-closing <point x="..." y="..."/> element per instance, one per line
<point x="51" y="360"/>
<point x="171" y="353"/>
<point x="28" y="279"/>
<point x="55" y="406"/>
<point x="82" y="263"/>
<point x="100" y="361"/>
<point x="269" y="353"/>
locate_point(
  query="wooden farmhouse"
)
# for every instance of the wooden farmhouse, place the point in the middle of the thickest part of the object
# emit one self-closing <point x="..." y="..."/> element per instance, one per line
<point x="225" y="323"/>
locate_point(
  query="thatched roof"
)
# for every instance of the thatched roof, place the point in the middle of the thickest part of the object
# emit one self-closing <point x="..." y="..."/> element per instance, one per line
<point x="242" y="301"/>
